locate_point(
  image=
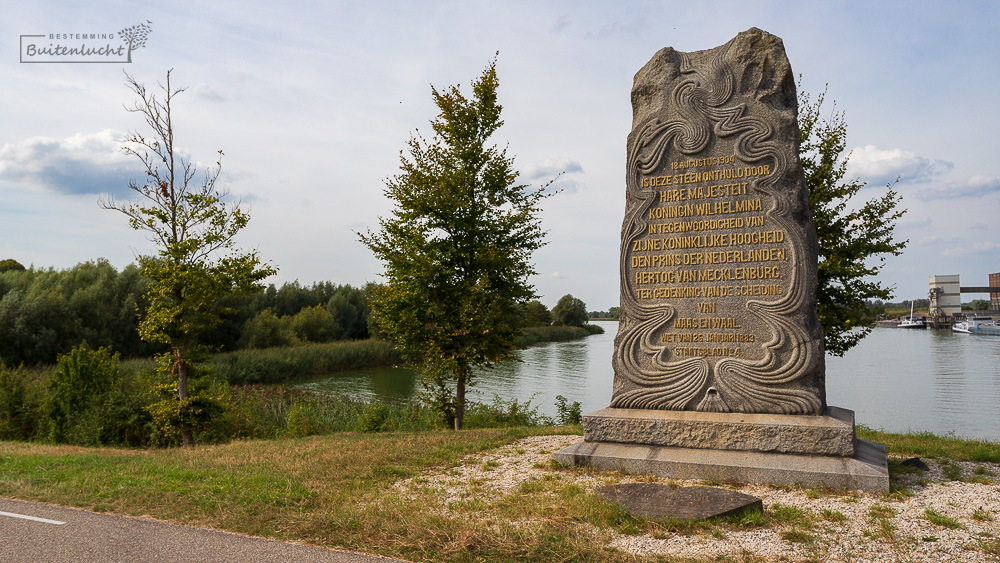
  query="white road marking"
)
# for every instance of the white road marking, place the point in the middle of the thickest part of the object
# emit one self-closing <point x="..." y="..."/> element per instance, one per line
<point x="35" y="518"/>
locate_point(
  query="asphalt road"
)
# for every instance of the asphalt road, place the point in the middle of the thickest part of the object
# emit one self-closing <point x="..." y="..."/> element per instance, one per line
<point x="31" y="532"/>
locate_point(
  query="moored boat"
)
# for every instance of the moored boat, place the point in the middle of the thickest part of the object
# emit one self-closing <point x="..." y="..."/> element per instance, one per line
<point x="911" y="321"/>
<point x="977" y="325"/>
<point x="988" y="328"/>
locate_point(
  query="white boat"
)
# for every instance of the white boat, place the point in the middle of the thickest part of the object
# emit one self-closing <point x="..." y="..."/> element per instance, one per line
<point x="911" y="321"/>
<point x="978" y="325"/>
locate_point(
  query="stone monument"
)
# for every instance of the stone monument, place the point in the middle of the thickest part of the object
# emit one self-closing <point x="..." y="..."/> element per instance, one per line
<point x="718" y="361"/>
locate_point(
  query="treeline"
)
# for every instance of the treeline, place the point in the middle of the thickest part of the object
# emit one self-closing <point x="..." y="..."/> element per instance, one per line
<point x="46" y="312"/>
<point x="612" y="313"/>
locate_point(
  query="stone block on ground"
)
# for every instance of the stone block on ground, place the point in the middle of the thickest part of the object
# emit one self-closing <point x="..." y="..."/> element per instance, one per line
<point x="660" y="502"/>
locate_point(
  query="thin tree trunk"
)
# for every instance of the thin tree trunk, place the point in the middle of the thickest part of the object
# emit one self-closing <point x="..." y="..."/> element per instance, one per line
<point x="460" y="400"/>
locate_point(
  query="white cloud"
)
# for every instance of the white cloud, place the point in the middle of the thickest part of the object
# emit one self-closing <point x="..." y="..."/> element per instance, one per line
<point x="974" y="186"/>
<point x="880" y="166"/>
<point x="82" y="164"/>
<point x="983" y="247"/>
<point x="955" y="252"/>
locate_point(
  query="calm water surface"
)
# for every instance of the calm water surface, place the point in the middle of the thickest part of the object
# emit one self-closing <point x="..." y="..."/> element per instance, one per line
<point x="897" y="380"/>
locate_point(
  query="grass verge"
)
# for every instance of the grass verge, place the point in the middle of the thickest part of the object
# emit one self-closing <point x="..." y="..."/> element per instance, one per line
<point x="925" y="444"/>
<point x="332" y="491"/>
<point x="342" y="491"/>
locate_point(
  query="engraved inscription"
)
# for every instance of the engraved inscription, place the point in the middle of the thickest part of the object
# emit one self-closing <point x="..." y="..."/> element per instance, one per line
<point x="718" y="250"/>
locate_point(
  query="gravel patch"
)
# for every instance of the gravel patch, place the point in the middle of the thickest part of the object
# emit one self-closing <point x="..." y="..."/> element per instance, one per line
<point x="839" y="526"/>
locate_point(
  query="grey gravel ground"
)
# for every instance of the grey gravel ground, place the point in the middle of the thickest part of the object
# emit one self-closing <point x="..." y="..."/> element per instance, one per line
<point x="843" y="527"/>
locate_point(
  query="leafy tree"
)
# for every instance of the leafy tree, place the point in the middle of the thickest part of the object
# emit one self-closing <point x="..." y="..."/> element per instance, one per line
<point x="349" y="307"/>
<point x="854" y="239"/>
<point x="196" y="264"/>
<point x="44" y="313"/>
<point x="457" y="248"/>
<point x="980" y="305"/>
<point x="292" y="298"/>
<point x="9" y="264"/>
<point x="615" y="313"/>
<point x="266" y="330"/>
<point x="315" y="324"/>
<point x="569" y="311"/>
<point x="536" y="314"/>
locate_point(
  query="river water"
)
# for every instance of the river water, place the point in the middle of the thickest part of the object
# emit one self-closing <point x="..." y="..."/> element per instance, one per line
<point x="897" y="380"/>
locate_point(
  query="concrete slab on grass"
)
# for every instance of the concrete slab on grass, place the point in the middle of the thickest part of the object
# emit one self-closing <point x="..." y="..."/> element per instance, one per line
<point x="660" y="502"/>
<point x="867" y="470"/>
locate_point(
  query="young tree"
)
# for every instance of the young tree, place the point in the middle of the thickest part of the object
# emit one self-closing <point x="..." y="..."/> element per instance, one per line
<point x="980" y="305"/>
<point x="196" y="263"/>
<point x="569" y="311"/>
<point x="457" y="248"/>
<point x="853" y="241"/>
<point x="536" y="314"/>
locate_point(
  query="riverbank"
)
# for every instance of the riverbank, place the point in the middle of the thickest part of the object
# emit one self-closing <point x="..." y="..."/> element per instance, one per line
<point x="494" y="495"/>
<point x="538" y="334"/>
<point x="277" y="365"/>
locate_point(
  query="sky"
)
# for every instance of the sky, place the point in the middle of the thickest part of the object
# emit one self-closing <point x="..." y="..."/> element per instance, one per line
<point x="312" y="103"/>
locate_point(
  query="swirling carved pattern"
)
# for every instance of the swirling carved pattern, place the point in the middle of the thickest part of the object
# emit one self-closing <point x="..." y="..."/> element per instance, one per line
<point x="707" y="107"/>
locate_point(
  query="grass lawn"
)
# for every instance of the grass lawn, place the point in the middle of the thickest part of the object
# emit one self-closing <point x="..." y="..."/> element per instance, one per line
<point x="337" y="491"/>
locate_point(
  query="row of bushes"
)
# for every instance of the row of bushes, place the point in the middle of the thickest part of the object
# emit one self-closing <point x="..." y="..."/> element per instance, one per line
<point x="46" y="312"/>
<point x="536" y="334"/>
<point x="88" y="399"/>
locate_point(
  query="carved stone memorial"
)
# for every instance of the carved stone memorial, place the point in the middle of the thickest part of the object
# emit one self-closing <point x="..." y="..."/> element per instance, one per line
<point x="719" y="348"/>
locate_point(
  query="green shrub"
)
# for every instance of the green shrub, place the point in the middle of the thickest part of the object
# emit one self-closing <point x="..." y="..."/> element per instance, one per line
<point x="89" y="402"/>
<point x="78" y="391"/>
<point x="503" y="414"/>
<point x="373" y="417"/>
<point x="266" y="330"/>
<point x="19" y="404"/>
<point x="315" y="324"/>
<point x="269" y="411"/>
<point x="568" y="414"/>
<point x="303" y="419"/>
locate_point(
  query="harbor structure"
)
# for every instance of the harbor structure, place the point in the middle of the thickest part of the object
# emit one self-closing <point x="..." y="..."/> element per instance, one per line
<point x="945" y="296"/>
<point x="995" y="296"/>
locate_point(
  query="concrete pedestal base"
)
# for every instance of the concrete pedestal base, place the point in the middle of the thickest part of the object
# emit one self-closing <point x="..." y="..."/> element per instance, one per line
<point x="864" y="469"/>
